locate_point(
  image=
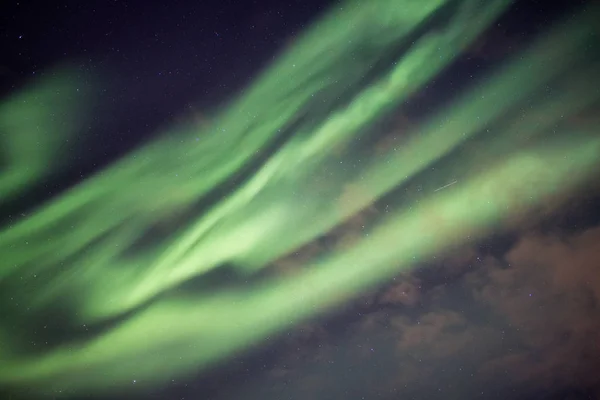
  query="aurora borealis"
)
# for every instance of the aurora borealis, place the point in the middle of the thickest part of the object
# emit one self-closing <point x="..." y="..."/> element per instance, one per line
<point x="112" y="251"/>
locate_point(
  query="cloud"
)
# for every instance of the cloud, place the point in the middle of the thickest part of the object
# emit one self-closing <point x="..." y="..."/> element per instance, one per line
<point x="521" y="322"/>
<point x="402" y="127"/>
<point x="406" y="292"/>
<point x="547" y="289"/>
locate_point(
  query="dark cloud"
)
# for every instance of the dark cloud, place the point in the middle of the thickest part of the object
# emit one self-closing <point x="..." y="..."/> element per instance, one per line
<point x="548" y="291"/>
<point x="525" y="321"/>
<point x="405" y="292"/>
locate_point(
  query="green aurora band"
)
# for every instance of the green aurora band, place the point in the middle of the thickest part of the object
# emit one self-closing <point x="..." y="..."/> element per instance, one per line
<point x="294" y="142"/>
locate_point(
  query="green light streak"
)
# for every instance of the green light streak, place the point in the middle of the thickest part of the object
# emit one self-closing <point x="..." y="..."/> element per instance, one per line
<point x="76" y="249"/>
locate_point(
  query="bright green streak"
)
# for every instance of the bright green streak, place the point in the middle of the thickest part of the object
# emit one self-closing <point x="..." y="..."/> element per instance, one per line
<point x="73" y="249"/>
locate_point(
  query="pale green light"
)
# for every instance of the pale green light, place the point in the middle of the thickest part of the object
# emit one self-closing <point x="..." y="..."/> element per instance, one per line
<point x="74" y="248"/>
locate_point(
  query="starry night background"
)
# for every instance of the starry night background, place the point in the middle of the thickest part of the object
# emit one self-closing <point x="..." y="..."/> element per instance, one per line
<point x="516" y="316"/>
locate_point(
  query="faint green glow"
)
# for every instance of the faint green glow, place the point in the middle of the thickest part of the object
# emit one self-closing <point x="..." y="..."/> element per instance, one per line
<point x="34" y="125"/>
<point x="76" y="250"/>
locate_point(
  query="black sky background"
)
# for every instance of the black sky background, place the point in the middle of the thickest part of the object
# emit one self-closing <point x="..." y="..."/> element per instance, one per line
<point x="159" y="61"/>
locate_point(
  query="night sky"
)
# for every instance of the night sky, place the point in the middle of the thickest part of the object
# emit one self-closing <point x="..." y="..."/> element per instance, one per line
<point x="515" y="315"/>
